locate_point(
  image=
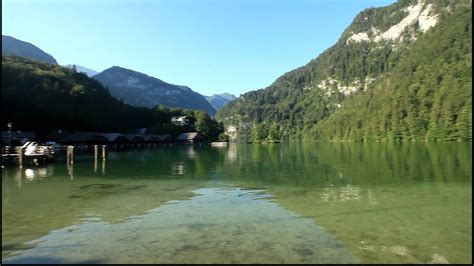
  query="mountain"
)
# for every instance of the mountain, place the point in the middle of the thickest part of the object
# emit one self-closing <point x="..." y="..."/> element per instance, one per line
<point x="426" y="96"/>
<point x="43" y="98"/>
<point x="139" y="89"/>
<point x="219" y="100"/>
<point x="397" y="72"/>
<point x="12" y="46"/>
<point x="85" y="70"/>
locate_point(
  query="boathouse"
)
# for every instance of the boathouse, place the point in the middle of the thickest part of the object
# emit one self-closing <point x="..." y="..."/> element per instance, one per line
<point x="17" y="138"/>
<point x="135" y="139"/>
<point x="165" y="138"/>
<point x="151" y="140"/>
<point x="115" y="140"/>
<point x="56" y="135"/>
<point x="84" y="138"/>
<point x="189" y="138"/>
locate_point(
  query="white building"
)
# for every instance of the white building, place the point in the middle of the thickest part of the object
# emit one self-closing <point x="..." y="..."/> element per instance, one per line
<point x="180" y="120"/>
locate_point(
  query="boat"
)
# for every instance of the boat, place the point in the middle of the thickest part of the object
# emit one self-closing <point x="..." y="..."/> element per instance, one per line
<point x="219" y="144"/>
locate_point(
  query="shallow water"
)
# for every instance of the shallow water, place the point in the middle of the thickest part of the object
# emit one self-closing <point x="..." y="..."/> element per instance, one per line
<point x="287" y="203"/>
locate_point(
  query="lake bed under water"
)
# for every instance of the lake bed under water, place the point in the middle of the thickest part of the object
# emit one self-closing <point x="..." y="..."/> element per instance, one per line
<point x="278" y="203"/>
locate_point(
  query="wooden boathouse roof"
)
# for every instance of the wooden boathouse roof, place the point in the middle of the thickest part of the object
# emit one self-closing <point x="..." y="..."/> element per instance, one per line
<point x="132" y="137"/>
<point x="165" y="137"/>
<point x="189" y="136"/>
<point x="84" y="137"/>
<point x="115" y="137"/>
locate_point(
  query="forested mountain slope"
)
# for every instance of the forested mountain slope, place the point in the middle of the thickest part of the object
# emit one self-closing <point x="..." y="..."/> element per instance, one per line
<point x="43" y="97"/>
<point x="360" y="62"/>
<point x="427" y="95"/>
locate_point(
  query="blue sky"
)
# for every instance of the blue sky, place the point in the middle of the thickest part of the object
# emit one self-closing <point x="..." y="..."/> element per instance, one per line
<point x="212" y="46"/>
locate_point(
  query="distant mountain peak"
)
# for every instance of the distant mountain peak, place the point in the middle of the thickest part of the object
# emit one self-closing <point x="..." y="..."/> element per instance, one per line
<point x="220" y="100"/>
<point x="85" y="70"/>
<point x="140" y="89"/>
<point x="121" y="71"/>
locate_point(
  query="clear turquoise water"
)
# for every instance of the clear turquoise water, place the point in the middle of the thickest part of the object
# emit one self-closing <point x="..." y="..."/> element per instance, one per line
<point x="278" y="203"/>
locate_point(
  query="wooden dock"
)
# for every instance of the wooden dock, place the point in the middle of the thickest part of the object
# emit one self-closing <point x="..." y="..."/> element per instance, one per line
<point x="28" y="154"/>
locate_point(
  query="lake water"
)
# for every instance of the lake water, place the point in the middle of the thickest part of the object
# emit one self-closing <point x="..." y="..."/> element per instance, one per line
<point x="276" y="203"/>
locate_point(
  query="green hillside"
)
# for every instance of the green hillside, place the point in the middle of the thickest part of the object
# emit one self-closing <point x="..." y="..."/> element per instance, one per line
<point x="365" y="55"/>
<point x="426" y="96"/>
<point x="42" y="97"/>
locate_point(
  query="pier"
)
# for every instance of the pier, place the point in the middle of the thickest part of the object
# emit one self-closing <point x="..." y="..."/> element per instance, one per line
<point x="64" y="145"/>
<point x="29" y="153"/>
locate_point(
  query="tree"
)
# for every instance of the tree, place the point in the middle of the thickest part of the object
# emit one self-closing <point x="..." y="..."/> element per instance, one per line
<point x="260" y="133"/>
<point x="206" y="126"/>
<point x="223" y="137"/>
<point x="274" y="133"/>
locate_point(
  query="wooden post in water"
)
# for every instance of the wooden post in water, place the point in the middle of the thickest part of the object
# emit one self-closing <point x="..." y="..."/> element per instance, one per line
<point x="96" y="154"/>
<point x="103" y="167"/>
<point x="20" y="151"/>
<point x="19" y="177"/>
<point x="70" y="154"/>
<point x="96" y="151"/>
<point x="103" y="152"/>
<point x="70" y="171"/>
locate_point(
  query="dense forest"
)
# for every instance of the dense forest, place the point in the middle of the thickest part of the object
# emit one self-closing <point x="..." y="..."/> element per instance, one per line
<point x="415" y="85"/>
<point x="43" y="97"/>
<point x="426" y="96"/>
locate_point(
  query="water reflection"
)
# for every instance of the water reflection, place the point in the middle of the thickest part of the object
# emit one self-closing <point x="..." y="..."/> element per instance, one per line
<point x="178" y="168"/>
<point x="70" y="170"/>
<point x="380" y="199"/>
<point x="352" y="163"/>
<point x="191" y="152"/>
<point x="389" y="203"/>
<point x="38" y="173"/>
<point x="103" y="167"/>
<point x="232" y="152"/>
<point x="22" y="175"/>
